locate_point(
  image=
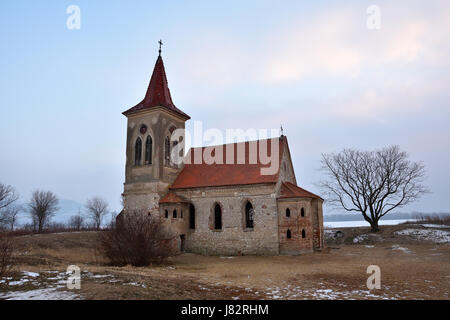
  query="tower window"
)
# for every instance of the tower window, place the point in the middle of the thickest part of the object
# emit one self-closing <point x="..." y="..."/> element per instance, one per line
<point x="167" y="151"/>
<point x="249" y="213"/>
<point x="302" y="212"/>
<point x="174" y="213"/>
<point x="303" y="234"/>
<point x="288" y="212"/>
<point x="148" y="150"/>
<point x="166" y="214"/>
<point x="217" y="217"/>
<point x="288" y="234"/>
<point x="191" y="217"/>
<point x="138" y="152"/>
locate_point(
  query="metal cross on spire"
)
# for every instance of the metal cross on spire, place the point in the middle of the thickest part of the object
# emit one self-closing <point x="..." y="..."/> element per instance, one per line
<point x="281" y="130"/>
<point x="160" y="45"/>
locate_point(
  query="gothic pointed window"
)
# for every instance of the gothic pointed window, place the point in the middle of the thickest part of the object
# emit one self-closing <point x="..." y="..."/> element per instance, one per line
<point x="138" y="152"/>
<point x="217" y="217"/>
<point x="249" y="213"/>
<point x="175" y="213"/>
<point x="288" y="212"/>
<point x="303" y="234"/>
<point x="148" y="150"/>
<point x="167" y="151"/>
<point x="302" y="212"/>
<point x="288" y="234"/>
<point x="166" y="214"/>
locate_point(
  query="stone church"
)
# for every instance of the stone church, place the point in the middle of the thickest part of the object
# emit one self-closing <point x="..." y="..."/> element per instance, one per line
<point x="222" y="209"/>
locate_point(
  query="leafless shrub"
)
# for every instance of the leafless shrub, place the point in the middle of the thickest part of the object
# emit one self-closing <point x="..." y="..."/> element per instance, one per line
<point x="137" y="239"/>
<point x="372" y="182"/>
<point x="42" y="207"/>
<point x="6" y="254"/>
<point x="96" y="208"/>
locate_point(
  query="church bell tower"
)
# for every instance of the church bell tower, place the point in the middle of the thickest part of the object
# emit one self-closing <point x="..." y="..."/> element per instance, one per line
<point x="149" y="170"/>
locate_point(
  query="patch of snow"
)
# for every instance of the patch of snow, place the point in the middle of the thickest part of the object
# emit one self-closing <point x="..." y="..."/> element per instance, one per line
<point x="437" y="236"/>
<point x="101" y="276"/>
<point x="135" y="284"/>
<point x="40" y="294"/>
<point x="397" y="247"/>
<point x="360" y="238"/>
<point x="31" y="274"/>
<point x="429" y="225"/>
<point x="18" y="283"/>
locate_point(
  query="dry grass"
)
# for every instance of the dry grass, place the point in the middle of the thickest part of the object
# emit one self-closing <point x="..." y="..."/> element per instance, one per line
<point x="423" y="273"/>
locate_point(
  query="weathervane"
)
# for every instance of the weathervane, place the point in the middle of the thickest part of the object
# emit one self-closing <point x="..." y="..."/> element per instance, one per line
<point x="160" y="45"/>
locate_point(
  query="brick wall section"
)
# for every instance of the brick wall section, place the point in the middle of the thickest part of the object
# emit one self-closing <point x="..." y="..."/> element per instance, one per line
<point x="295" y="223"/>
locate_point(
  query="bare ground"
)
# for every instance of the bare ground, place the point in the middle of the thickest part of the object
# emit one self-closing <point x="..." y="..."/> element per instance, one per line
<point x="410" y="269"/>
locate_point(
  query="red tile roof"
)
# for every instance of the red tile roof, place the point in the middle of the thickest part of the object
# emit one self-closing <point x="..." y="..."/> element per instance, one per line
<point x="290" y="190"/>
<point x="210" y="175"/>
<point x="172" y="198"/>
<point x="158" y="93"/>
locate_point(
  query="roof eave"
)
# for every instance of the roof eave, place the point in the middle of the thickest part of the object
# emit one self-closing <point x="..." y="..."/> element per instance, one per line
<point x="161" y="107"/>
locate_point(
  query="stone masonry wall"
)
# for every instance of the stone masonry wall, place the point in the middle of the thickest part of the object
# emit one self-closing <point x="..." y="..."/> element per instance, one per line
<point x="234" y="238"/>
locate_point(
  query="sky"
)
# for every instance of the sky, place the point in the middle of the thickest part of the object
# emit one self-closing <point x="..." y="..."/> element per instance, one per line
<point x="316" y="68"/>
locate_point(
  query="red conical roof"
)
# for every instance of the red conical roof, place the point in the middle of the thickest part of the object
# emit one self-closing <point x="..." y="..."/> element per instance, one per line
<point x="158" y="93"/>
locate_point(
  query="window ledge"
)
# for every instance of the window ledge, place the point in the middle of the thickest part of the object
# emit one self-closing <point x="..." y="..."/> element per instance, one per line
<point x="248" y="229"/>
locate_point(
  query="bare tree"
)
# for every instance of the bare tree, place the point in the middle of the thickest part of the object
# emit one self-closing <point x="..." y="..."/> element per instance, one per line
<point x="9" y="216"/>
<point x="42" y="207"/>
<point x="8" y="196"/>
<point x="76" y="222"/>
<point x="113" y="215"/>
<point x="96" y="208"/>
<point x="372" y="182"/>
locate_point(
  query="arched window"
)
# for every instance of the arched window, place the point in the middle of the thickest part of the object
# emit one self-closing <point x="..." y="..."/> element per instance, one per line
<point x="138" y="152"/>
<point x="167" y="151"/>
<point x="166" y="214"/>
<point x="288" y="212"/>
<point x="175" y="213"/>
<point x="191" y="217"/>
<point x="303" y="234"/>
<point x="217" y="217"/>
<point x="302" y="212"/>
<point x="288" y="234"/>
<point x="249" y="213"/>
<point x="148" y="150"/>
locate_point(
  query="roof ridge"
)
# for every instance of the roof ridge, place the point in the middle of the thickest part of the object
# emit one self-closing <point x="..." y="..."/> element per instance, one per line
<point x="233" y="143"/>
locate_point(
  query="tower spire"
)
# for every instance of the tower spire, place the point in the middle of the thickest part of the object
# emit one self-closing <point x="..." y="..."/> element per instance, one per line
<point x="158" y="93"/>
